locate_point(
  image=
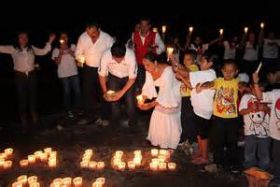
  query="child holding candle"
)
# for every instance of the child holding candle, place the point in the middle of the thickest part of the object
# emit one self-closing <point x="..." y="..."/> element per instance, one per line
<point x="165" y="124"/>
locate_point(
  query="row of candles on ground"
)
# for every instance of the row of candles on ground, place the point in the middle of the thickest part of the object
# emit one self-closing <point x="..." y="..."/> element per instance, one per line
<point x="5" y="162"/>
<point x="32" y="181"/>
<point x="90" y="164"/>
<point x="160" y="163"/>
<point x="47" y="156"/>
<point x="191" y="29"/>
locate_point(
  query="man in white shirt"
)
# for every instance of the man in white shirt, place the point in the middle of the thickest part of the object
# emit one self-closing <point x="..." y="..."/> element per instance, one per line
<point x="118" y="66"/>
<point x="91" y="45"/>
<point x="144" y="41"/>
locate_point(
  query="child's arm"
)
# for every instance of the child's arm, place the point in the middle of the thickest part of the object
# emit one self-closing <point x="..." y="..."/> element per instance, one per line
<point x="204" y="86"/>
<point x="248" y="110"/>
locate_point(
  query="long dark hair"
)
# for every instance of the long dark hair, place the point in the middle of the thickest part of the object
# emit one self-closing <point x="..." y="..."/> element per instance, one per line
<point x="160" y="59"/>
<point x="28" y="45"/>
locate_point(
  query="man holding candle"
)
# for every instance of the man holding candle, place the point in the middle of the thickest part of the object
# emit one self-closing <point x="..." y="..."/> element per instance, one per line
<point x="119" y="66"/>
<point x="91" y="45"/>
<point x="145" y="41"/>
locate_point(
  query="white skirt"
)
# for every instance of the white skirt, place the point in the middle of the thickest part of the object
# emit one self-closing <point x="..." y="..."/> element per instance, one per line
<point x="165" y="127"/>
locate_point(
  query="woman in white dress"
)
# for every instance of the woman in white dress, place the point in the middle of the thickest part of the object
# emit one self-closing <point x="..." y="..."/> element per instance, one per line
<point x="165" y="125"/>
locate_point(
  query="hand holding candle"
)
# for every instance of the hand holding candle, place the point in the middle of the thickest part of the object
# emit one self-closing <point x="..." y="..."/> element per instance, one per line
<point x="169" y="52"/>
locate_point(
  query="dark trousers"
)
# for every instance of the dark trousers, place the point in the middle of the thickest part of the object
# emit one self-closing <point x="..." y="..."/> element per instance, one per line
<point x="26" y="91"/>
<point x="256" y="152"/>
<point x="116" y="84"/>
<point x="189" y="128"/>
<point x="276" y="159"/>
<point x="71" y="85"/>
<point x="225" y="135"/>
<point x="92" y="93"/>
<point x="141" y="77"/>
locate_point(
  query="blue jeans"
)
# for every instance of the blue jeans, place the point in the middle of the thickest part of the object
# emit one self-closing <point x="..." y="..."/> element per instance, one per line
<point x="116" y="84"/>
<point x="71" y="85"/>
<point x="257" y="152"/>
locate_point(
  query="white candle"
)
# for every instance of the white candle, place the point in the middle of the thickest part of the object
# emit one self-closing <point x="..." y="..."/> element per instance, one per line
<point x="97" y="184"/>
<point x="121" y="166"/>
<point x="171" y="166"/>
<point x="8" y="152"/>
<point x="259" y="67"/>
<point x="78" y="182"/>
<point x="137" y="160"/>
<point x="92" y="165"/>
<point x="32" y="179"/>
<point x="101" y="180"/>
<point x="31" y="159"/>
<point x="23" y="163"/>
<point x="38" y="155"/>
<point x="131" y="165"/>
<point x="100" y="165"/>
<point x="67" y="181"/>
<point x="137" y="152"/>
<point x="221" y="31"/>
<point x="246" y="30"/>
<point x="52" y="162"/>
<point x="44" y="157"/>
<point x="22" y="179"/>
<point x="2" y="161"/>
<point x="262" y="25"/>
<point x="89" y="151"/>
<point x="153" y="166"/>
<point x="163" y="29"/>
<point x="119" y="154"/>
<point x="17" y="184"/>
<point x="169" y="50"/>
<point x="48" y="150"/>
<point x="140" y="99"/>
<point x="61" y="41"/>
<point x="162" y="166"/>
<point x="84" y="164"/>
<point x="154" y="152"/>
<point x="190" y="29"/>
<point x="8" y="164"/>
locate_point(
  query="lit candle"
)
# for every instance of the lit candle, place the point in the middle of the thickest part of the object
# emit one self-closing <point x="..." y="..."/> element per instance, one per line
<point x="100" y="165"/>
<point x="8" y="151"/>
<point x="17" y="184"/>
<point x="137" y="152"/>
<point x="169" y="52"/>
<point x="84" y="164"/>
<point x="52" y="162"/>
<point x="89" y="151"/>
<point x="2" y="161"/>
<point x="78" y="182"/>
<point x="32" y="179"/>
<point x="190" y="29"/>
<point x="163" y="29"/>
<point x="34" y="184"/>
<point x="155" y="161"/>
<point x="246" y="30"/>
<point x="44" y="157"/>
<point x="101" y="180"/>
<point x="131" y="165"/>
<point x="259" y="67"/>
<point x="153" y="166"/>
<point x="57" y="181"/>
<point x="155" y="29"/>
<point x="87" y="157"/>
<point x="92" y="165"/>
<point x="221" y="31"/>
<point x="140" y="99"/>
<point x="162" y="166"/>
<point x="97" y="184"/>
<point x="61" y="41"/>
<point x="137" y="160"/>
<point x="31" y="159"/>
<point x="48" y="150"/>
<point x="154" y="152"/>
<point x="119" y="154"/>
<point x="38" y="154"/>
<point x="8" y="164"/>
<point x="22" y="179"/>
<point x="262" y="25"/>
<point x="23" y="163"/>
<point x="121" y="166"/>
<point x="162" y="158"/>
<point x="171" y="166"/>
<point x="3" y="156"/>
<point x="67" y="181"/>
<point x="82" y="59"/>
<point x="53" y="154"/>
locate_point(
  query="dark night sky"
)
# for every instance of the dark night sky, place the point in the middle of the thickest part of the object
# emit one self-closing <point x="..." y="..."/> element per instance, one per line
<point x="46" y="16"/>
